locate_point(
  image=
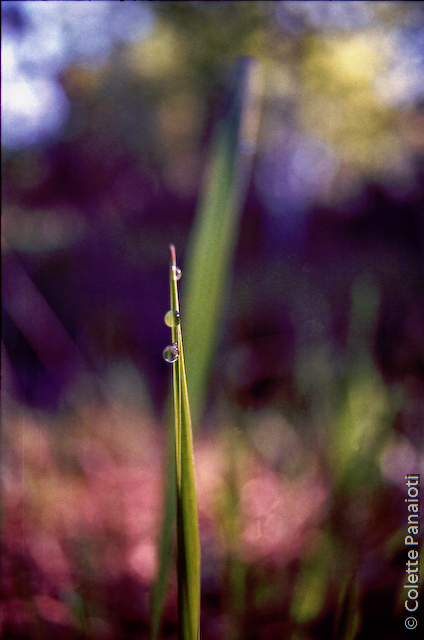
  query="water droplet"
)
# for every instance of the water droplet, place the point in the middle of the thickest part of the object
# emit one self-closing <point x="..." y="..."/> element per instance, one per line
<point x="170" y="353"/>
<point x="172" y="318"/>
<point x="177" y="273"/>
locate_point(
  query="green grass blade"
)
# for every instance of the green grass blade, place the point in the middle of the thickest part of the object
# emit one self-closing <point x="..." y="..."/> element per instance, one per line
<point x="213" y="238"/>
<point x="180" y="495"/>
<point x="188" y="544"/>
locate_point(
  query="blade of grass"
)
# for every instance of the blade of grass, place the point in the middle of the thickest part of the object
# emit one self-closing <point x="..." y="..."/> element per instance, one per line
<point x="348" y="612"/>
<point x="188" y="546"/>
<point x="213" y="238"/>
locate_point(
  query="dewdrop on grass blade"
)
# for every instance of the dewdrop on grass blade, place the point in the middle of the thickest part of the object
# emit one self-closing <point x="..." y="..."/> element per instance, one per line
<point x="172" y="318"/>
<point x="177" y="273"/>
<point x="171" y="353"/>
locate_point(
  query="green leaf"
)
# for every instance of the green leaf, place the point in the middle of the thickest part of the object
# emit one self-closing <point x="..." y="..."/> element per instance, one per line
<point x="180" y="492"/>
<point x="213" y="238"/>
<point x="348" y="613"/>
<point x="311" y="585"/>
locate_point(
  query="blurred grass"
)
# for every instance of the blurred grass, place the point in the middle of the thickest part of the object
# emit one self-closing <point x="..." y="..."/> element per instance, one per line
<point x="213" y="238"/>
<point x="310" y="592"/>
<point x="364" y="414"/>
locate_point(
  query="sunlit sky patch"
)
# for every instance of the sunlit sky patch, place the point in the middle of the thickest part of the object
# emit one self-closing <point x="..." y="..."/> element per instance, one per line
<point x="402" y="83"/>
<point x="39" y="39"/>
<point x="297" y="17"/>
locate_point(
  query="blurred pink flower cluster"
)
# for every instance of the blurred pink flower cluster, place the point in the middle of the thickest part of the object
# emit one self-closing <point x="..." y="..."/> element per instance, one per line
<point x="79" y="516"/>
<point x="82" y="512"/>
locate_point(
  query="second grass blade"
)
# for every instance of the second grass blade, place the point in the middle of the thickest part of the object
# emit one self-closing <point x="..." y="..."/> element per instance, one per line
<point x="213" y="238"/>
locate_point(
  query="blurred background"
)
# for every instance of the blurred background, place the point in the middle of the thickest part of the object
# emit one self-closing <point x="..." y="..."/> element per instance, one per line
<point x="311" y="407"/>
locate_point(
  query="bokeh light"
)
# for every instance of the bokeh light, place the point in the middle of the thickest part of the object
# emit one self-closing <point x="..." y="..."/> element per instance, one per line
<point x="40" y="41"/>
